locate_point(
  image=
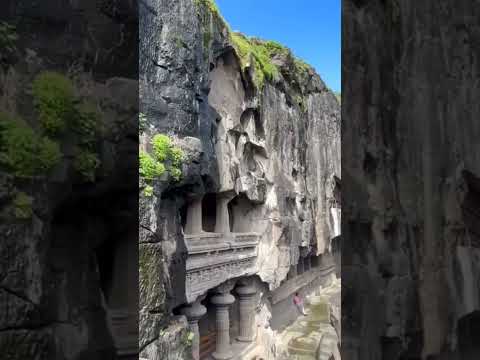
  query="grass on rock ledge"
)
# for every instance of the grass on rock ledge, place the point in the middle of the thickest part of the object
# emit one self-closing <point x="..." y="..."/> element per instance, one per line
<point x="252" y="51"/>
<point x="261" y="53"/>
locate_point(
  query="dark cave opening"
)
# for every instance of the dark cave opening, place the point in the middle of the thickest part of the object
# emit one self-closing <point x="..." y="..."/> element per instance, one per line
<point x="209" y="212"/>
<point x="468" y="335"/>
<point x="183" y="215"/>
<point x="470" y="208"/>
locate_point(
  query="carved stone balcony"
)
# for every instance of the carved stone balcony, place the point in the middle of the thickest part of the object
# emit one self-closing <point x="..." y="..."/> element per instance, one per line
<point x="214" y="258"/>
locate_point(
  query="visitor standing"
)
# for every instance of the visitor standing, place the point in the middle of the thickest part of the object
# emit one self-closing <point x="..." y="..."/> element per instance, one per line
<point x="298" y="302"/>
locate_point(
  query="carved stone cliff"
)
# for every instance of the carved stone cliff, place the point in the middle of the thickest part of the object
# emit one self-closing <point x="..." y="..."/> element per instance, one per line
<point x="261" y="145"/>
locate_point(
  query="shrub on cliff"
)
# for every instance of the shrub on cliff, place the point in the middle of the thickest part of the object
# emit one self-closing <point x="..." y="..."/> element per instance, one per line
<point x="54" y="100"/>
<point x="59" y="110"/>
<point x="166" y="158"/>
<point x="23" y="152"/>
<point x="8" y="39"/>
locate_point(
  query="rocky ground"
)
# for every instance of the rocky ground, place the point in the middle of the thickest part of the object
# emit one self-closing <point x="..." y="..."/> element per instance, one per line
<point x="315" y="336"/>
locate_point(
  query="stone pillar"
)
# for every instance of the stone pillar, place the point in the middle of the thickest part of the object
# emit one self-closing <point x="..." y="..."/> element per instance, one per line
<point x="194" y="217"/>
<point x="222" y="302"/>
<point x="293" y="271"/>
<point x="300" y="266"/>
<point x="246" y="305"/>
<point x="308" y="263"/>
<point x="337" y="221"/>
<point x="193" y="313"/>
<point x="222" y="224"/>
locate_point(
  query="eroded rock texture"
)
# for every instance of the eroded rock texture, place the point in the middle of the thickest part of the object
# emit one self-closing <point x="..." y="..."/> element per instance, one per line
<point x="411" y="171"/>
<point x="262" y="160"/>
<point x="69" y="269"/>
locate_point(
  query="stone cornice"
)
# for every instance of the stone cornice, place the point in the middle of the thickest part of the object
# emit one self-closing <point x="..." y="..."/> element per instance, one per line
<point x="214" y="258"/>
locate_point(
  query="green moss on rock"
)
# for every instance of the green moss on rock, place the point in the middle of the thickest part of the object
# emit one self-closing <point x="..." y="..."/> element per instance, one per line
<point x="8" y="39"/>
<point x="22" y="206"/>
<point x="149" y="167"/>
<point x="165" y="158"/>
<point x="211" y="21"/>
<point x="260" y="53"/>
<point x="54" y="99"/>
<point x="59" y="110"/>
<point x="252" y="52"/>
<point x="86" y="123"/>
<point x="23" y="152"/>
<point x="151" y="284"/>
<point x="211" y="7"/>
<point x="86" y="163"/>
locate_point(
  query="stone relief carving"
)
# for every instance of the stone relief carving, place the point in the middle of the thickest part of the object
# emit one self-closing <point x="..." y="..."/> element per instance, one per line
<point x="210" y="264"/>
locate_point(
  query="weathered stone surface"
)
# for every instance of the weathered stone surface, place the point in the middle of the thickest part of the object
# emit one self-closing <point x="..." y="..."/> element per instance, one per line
<point x="410" y="160"/>
<point x="53" y="301"/>
<point x="174" y="342"/>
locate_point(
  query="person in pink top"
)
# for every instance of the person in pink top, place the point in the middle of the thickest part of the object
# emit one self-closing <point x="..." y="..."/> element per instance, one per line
<point x="298" y="302"/>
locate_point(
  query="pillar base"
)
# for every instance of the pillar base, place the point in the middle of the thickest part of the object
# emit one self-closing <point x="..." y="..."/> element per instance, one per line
<point x="245" y="339"/>
<point x="193" y="313"/>
<point x="222" y="356"/>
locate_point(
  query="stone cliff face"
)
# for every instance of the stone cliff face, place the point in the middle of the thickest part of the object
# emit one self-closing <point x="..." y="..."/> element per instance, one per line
<point x="261" y="156"/>
<point x="411" y="174"/>
<point x="61" y="295"/>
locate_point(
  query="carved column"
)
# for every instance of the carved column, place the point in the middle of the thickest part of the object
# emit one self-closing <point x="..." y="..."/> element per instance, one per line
<point x="194" y="217"/>
<point x="293" y="272"/>
<point x="193" y="313"/>
<point x="300" y="266"/>
<point x="222" y="224"/>
<point x="308" y="263"/>
<point x="246" y="304"/>
<point x="222" y="302"/>
<point x="336" y="216"/>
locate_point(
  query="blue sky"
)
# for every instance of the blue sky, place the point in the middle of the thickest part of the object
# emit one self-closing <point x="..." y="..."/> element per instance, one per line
<point x="311" y="28"/>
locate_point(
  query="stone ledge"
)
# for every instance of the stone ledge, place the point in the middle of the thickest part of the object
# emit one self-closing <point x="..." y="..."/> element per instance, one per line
<point x="299" y="282"/>
<point x="207" y="242"/>
<point x="214" y="258"/>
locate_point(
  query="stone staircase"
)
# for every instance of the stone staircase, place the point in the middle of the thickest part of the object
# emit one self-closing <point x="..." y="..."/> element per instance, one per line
<point x="313" y="337"/>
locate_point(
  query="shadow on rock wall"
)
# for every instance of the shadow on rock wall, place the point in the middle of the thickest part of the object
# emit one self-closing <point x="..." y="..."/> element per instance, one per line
<point x="68" y="169"/>
<point x="410" y="160"/>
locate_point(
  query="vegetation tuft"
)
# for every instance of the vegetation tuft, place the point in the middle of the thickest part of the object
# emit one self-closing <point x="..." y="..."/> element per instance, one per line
<point x="142" y="122"/>
<point x="60" y="110"/>
<point x="8" y="39"/>
<point x="86" y="163"/>
<point x="23" y="152"/>
<point x="165" y="158"/>
<point x="54" y="99"/>
<point x="261" y="53"/>
<point x="211" y="6"/>
<point x="23" y="206"/>
<point x="210" y="19"/>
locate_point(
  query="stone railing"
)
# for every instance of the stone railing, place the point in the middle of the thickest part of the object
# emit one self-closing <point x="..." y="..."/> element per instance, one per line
<point x="215" y="258"/>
